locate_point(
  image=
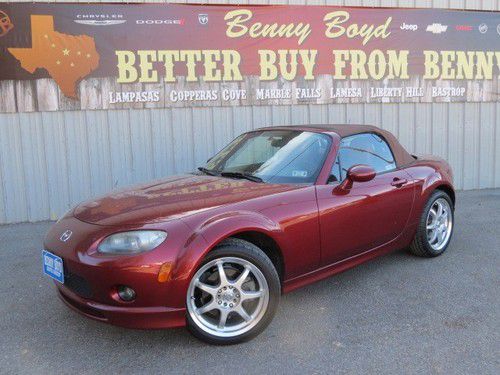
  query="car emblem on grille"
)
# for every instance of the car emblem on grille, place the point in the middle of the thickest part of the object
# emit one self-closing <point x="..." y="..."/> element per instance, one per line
<point x="66" y="236"/>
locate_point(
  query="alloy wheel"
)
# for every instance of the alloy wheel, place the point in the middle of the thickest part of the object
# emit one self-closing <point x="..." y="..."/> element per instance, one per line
<point x="227" y="297"/>
<point x="439" y="224"/>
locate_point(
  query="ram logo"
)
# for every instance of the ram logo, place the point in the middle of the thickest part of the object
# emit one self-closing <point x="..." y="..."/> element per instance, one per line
<point x="203" y="19"/>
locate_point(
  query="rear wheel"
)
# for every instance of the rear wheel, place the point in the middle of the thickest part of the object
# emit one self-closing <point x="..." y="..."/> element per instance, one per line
<point x="234" y="295"/>
<point x="435" y="227"/>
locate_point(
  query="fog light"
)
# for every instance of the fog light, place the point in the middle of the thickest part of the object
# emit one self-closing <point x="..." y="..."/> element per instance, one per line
<point x="126" y="293"/>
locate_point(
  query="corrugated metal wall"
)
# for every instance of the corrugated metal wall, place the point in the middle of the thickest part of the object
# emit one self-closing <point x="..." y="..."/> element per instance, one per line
<point x="51" y="161"/>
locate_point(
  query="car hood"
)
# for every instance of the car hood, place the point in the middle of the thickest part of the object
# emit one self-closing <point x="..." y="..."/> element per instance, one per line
<point x="171" y="198"/>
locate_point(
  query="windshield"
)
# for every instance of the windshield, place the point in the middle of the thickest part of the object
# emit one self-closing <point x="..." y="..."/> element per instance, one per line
<point x="277" y="156"/>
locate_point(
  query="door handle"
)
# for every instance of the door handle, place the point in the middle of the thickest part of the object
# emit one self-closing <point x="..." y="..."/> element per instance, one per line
<point x="398" y="182"/>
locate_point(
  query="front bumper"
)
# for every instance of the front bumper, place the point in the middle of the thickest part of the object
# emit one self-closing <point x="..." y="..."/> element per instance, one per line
<point x="128" y="317"/>
<point x="91" y="279"/>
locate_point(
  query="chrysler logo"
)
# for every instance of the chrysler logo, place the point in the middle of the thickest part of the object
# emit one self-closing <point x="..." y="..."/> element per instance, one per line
<point x="100" y="22"/>
<point x="66" y="235"/>
<point x="99" y="19"/>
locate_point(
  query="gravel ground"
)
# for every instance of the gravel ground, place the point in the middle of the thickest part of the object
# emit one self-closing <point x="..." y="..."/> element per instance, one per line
<point x="396" y="314"/>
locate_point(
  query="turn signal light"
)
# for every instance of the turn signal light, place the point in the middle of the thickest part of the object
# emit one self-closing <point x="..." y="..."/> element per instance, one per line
<point x="164" y="274"/>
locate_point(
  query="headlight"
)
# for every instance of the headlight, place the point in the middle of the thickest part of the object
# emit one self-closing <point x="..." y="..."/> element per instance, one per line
<point x="133" y="242"/>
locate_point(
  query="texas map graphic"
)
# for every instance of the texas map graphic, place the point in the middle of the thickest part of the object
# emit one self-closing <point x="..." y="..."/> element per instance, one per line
<point x="67" y="58"/>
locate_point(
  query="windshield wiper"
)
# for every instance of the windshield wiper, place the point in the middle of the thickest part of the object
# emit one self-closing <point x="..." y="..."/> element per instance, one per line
<point x="245" y="175"/>
<point x="208" y="171"/>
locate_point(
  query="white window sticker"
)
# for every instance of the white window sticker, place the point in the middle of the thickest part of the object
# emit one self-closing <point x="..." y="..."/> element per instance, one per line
<point x="298" y="173"/>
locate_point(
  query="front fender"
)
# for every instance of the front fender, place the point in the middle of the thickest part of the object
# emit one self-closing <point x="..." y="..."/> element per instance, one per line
<point x="228" y="223"/>
<point x="207" y="235"/>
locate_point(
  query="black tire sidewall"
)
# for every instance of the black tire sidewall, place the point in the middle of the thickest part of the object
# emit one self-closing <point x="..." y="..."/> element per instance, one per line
<point x="253" y="254"/>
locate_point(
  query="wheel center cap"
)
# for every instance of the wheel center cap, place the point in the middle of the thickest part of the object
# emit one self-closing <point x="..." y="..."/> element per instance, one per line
<point x="228" y="296"/>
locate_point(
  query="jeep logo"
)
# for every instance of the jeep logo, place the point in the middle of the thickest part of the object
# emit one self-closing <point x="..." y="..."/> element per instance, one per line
<point x="405" y="26"/>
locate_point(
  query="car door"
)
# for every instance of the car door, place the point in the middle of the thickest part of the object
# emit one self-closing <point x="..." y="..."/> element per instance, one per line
<point x="371" y="213"/>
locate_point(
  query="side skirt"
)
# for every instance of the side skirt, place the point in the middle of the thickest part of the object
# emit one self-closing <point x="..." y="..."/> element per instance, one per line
<point x="343" y="265"/>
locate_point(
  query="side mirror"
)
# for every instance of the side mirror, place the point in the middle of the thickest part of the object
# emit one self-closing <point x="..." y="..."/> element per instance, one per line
<point x="357" y="173"/>
<point x="361" y="173"/>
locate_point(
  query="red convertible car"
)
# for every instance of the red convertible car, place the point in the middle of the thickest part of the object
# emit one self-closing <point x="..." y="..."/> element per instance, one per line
<point x="276" y="209"/>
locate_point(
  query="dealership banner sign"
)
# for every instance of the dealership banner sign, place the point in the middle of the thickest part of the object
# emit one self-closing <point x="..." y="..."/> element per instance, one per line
<point x="105" y="56"/>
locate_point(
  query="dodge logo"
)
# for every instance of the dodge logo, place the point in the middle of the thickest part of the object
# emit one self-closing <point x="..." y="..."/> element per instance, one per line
<point x="5" y="23"/>
<point x="66" y="235"/>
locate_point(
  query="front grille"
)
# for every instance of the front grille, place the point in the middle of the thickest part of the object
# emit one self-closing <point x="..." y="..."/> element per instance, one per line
<point x="77" y="284"/>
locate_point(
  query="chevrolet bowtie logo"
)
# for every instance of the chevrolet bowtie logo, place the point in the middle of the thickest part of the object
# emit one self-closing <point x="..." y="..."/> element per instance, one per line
<point x="436" y="28"/>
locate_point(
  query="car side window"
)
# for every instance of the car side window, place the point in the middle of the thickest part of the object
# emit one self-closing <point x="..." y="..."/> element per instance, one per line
<point x="368" y="149"/>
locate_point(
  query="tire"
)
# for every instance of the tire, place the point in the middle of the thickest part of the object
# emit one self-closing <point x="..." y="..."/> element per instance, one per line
<point x="209" y="303"/>
<point x="423" y="244"/>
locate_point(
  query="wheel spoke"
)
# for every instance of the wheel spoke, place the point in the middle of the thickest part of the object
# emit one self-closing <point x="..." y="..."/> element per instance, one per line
<point x="433" y="219"/>
<point x="222" y="274"/>
<point x="241" y="279"/>
<point x="223" y="317"/>
<point x="434" y="236"/>
<point x="441" y="236"/>
<point x="433" y="215"/>
<point x="206" y="288"/>
<point x="246" y="295"/>
<point x="206" y="308"/>
<point x="439" y="210"/>
<point x="240" y="310"/>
